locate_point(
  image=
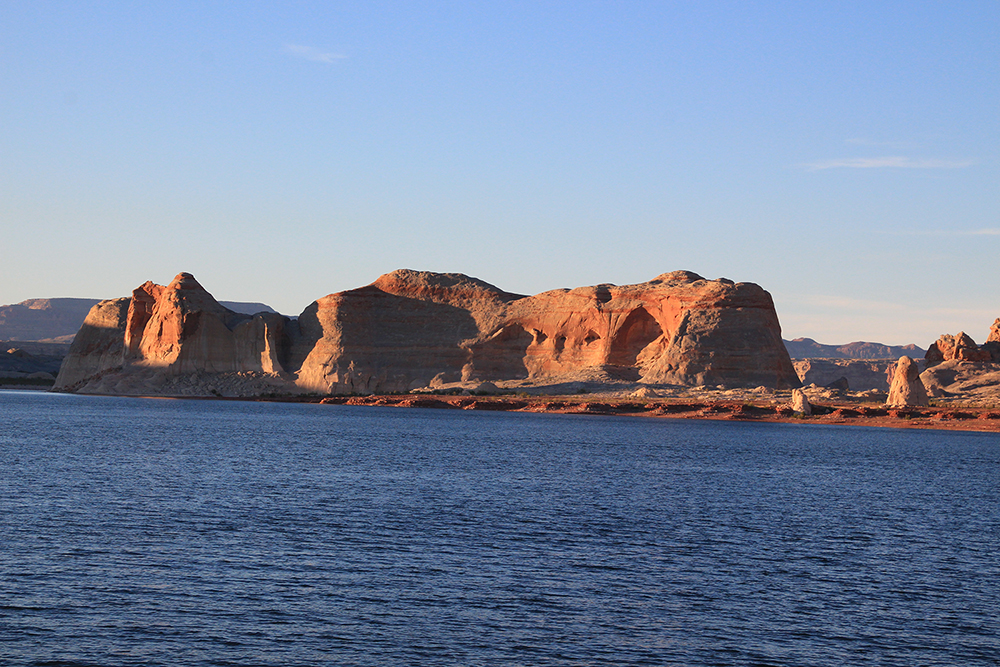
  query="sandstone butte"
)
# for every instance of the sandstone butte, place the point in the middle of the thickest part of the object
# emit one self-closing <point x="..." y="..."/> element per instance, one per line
<point x="413" y="329"/>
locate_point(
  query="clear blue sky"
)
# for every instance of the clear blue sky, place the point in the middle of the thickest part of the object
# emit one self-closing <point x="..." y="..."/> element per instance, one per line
<point x="844" y="155"/>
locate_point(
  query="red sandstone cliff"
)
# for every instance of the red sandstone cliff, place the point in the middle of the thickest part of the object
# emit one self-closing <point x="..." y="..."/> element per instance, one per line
<point x="175" y="330"/>
<point x="409" y="329"/>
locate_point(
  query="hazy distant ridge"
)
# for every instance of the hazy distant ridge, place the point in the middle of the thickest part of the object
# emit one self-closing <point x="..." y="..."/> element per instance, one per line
<point x="807" y="348"/>
<point x="60" y="319"/>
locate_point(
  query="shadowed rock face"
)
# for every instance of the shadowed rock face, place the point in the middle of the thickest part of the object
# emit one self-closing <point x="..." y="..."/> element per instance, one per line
<point x="409" y="329"/>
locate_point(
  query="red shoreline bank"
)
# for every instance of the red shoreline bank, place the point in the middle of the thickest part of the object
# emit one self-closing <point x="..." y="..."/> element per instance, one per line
<point x="946" y="418"/>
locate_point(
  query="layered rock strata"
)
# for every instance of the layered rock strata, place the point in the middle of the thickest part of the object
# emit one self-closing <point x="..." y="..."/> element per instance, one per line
<point x="413" y="329"/>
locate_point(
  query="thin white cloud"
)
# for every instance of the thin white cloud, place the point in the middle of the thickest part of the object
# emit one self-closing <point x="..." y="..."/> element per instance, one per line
<point x="313" y="54"/>
<point x="897" y="162"/>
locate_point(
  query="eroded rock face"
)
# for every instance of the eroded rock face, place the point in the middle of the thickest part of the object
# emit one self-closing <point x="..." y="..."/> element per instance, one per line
<point x="179" y="329"/>
<point x="960" y="347"/>
<point x="411" y="329"/>
<point x="906" y="388"/>
<point x="675" y="329"/>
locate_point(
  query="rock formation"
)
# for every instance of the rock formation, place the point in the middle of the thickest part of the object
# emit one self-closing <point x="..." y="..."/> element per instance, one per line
<point x="956" y="366"/>
<point x="906" y="388"/>
<point x="413" y="329"/>
<point x="174" y="330"/>
<point x="800" y="403"/>
<point x="960" y="347"/>
<point x="994" y="336"/>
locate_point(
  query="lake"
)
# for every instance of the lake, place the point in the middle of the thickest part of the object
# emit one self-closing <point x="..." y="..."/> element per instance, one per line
<point x="185" y="532"/>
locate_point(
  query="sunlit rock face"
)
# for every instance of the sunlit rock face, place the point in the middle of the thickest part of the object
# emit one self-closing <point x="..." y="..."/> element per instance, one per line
<point x="411" y="329"/>
<point x="181" y="328"/>
<point x="127" y="345"/>
<point x="906" y="388"/>
<point x="675" y="329"/>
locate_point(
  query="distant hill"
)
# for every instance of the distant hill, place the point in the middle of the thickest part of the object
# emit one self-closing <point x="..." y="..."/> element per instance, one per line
<point x="43" y="319"/>
<point x="58" y="320"/>
<point x="807" y="348"/>
<point x="248" y="307"/>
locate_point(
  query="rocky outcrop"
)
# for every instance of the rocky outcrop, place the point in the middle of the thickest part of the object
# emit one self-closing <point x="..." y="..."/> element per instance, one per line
<point x="412" y="329"/>
<point x="960" y="347"/>
<point x="906" y="388"/>
<point x="957" y="367"/>
<point x="675" y="329"/>
<point x="58" y="320"/>
<point x="994" y="336"/>
<point x="98" y="345"/>
<point x="963" y="379"/>
<point x="396" y="334"/>
<point x="181" y="329"/>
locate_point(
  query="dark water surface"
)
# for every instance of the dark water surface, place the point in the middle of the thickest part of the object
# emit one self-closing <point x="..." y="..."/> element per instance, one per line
<point x="158" y="532"/>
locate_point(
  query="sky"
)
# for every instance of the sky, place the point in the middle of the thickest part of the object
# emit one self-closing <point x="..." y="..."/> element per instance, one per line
<point x="843" y="155"/>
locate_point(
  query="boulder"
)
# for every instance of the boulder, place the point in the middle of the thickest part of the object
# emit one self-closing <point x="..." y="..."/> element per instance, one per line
<point x="840" y="384"/>
<point x="906" y="388"/>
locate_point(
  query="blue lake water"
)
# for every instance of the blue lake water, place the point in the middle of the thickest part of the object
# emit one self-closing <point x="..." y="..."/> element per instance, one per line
<point x="167" y="532"/>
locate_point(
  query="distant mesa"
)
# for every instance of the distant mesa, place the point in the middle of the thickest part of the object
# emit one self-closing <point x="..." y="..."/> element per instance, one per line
<point x="413" y="329"/>
<point x="54" y="320"/>
<point x="807" y="348"/>
<point x="857" y="366"/>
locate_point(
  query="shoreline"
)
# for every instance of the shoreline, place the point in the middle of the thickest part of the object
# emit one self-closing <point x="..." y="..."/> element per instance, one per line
<point x="985" y="420"/>
<point x="829" y="412"/>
